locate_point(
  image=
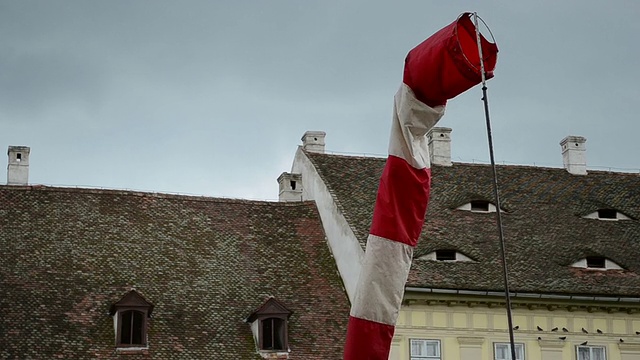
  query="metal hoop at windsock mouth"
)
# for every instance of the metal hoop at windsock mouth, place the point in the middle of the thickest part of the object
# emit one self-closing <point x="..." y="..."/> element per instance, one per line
<point x="448" y="62"/>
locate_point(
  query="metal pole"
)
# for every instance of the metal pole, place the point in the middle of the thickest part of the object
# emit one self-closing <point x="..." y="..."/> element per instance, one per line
<point x="485" y="100"/>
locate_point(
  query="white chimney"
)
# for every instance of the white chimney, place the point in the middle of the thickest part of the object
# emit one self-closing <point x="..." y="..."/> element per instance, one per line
<point x="18" y="166"/>
<point x="313" y="141"/>
<point x="290" y="187"/>
<point x="574" y="154"/>
<point x="440" y="146"/>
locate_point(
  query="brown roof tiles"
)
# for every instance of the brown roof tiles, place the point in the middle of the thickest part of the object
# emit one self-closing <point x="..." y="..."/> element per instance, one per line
<point x="543" y="225"/>
<point x="68" y="254"/>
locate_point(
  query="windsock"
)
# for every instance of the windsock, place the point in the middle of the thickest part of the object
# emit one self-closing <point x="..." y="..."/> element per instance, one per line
<point x="440" y="68"/>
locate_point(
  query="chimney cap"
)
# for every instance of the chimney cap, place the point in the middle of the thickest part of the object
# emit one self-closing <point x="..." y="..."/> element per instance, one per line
<point x="573" y="139"/>
<point x="12" y="148"/>
<point x="315" y="133"/>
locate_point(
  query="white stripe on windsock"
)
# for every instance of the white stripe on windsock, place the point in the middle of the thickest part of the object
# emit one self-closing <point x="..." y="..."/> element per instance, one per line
<point x="384" y="272"/>
<point x="412" y="119"/>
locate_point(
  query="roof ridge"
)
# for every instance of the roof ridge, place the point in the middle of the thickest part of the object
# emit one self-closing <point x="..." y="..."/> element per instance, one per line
<point x="591" y="169"/>
<point x="105" y="191"/>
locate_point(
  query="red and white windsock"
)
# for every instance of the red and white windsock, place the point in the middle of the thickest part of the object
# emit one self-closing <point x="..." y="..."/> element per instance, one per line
<point x="440" y="68"/>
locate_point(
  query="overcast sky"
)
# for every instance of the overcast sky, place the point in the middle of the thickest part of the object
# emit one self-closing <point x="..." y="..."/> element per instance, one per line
<point x="212" y="97"/>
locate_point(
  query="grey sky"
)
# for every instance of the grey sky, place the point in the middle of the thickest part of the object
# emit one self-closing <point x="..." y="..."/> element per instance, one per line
<point x="211" y="97"/>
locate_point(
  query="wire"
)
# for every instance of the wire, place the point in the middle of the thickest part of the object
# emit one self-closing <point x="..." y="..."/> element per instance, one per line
<point x="505" y="271"/>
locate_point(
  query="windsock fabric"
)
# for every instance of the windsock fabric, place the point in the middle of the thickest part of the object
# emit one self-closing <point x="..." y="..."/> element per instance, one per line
<point x="398" y="216"/>
<point x="440" y="68"/>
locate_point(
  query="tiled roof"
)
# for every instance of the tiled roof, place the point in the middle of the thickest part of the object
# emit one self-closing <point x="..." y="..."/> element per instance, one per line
<point x="543" y="225"/>
<point x="205" y="264"/>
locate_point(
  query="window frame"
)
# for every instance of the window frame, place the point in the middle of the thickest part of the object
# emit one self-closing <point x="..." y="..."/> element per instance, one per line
<point x="445" y="255"/>
<point x="591" y="347"/>
<point x="143" y="327"/>
<point x="508" y="345"/>
<point x="438" y="356"/>
<point x="283" y="333"/>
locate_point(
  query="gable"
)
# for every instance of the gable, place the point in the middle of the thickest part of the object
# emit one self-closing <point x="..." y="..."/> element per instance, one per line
<point x="132" y="299"/>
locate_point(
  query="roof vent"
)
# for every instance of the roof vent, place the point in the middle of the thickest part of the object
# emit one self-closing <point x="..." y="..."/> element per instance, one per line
<point x="18" y="165"/>
<point x="574" y="155"/>
<point x="290" y="187"/>
<point x="313" y="141"/>
<point x="440" y="146"/>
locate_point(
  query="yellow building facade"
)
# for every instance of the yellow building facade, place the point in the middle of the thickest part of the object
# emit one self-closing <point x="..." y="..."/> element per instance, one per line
<point x="476" y="328"/>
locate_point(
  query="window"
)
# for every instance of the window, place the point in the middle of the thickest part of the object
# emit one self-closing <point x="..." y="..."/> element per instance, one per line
<point x="273" y="334"/>
<point x="445" y="255"/>
<point x="597" y="262"/>
<point x="590" y="353"/>
<point x="425" y="349"/>
<point x="479" y="206"/>
<point x="269" y="326"/>
<point x="607" y="214"/>
<point x="502" y="351"/>
<point x="130" y="316"/>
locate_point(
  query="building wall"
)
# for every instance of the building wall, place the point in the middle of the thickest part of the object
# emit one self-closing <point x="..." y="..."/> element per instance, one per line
<point x="468" y="333"/>
<point x="342" y="241"/>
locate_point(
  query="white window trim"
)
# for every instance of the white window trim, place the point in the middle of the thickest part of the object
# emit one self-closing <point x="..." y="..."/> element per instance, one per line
<point x="438" y="355"/>
<point x="519" y="355"/>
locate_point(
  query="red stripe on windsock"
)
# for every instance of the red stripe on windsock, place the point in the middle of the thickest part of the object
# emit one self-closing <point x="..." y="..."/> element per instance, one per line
<point x="370" y="340"/>
<point x="402" y="201"/>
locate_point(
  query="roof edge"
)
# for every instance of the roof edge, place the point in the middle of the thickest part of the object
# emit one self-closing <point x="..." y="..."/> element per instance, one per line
<point x="523" y="295"/>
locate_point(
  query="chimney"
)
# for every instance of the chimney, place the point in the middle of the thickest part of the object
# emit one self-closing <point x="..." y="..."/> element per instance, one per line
<point x="574" y="154"/>
<point x="313" y="141"/>
<point x="18" y="166"/>
<point x="290" y="187"/>
<point x="440" y="146"/>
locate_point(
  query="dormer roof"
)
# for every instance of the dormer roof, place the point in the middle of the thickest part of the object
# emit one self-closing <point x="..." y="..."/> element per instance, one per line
<point x="132" y="299"/>
<point x="270" y="308"/>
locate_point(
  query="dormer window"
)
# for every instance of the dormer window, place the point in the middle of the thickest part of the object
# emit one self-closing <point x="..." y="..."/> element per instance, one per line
<point x="597" y="263"/>
<point x="607" y="214"/>
<point x="269" y="324"/>
<point x="446" y="255"/>
<point x="481" y="206"/>
<point x="130" y="320"/>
